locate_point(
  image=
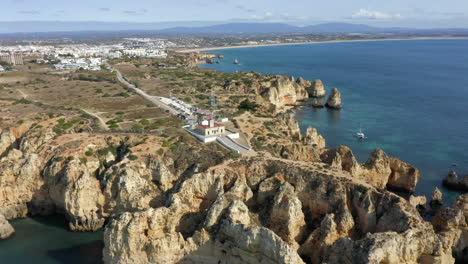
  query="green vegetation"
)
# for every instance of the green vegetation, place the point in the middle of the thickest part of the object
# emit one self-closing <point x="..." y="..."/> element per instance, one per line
<point x="160" y="151"/>
<point x="105" y="151"/>
<point x="362" y="189"/>
<point x="247" y="105"/>
<point x="144" y="122"/>
<point x="232" y="155"/>
<point x="89" y="152"/>
<point x="132" y="157"/>
<point x="108" y="77"/>
<point x="273" y="135"/>
<point x="63" y="125"/>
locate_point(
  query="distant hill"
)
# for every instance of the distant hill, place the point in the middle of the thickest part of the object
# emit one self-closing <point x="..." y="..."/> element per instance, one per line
<point x="236" y="28"/>
<point x="339" y="27"/>
<point x="198" y="27"/>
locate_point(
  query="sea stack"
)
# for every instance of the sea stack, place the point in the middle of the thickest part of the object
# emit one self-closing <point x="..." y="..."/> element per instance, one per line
<point x="316" y="89"/>
<point x="436" y="197"/>
<point x="334" y="100"/>
<point x="453" y="182"/>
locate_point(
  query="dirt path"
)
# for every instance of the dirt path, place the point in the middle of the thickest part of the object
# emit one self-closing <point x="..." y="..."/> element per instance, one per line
<point x="101" y="121"/>
<point x="22" y="93"/>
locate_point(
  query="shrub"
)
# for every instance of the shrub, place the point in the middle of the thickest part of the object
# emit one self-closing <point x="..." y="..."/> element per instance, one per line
<point x="132" y="157"/>
<point x="232" y="155"/>
<point x="247" y="105"/>
<point x="89" y="152"/>
<point x="144" y="122"/>
<point x="83" y="160"/>
<point x="160" y="151"/>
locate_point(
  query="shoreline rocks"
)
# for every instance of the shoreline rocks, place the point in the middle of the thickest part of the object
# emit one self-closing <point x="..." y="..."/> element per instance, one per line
<point x="6" y="230"/>
<point x="436" y="199"/>
<point x="334" y="100"/>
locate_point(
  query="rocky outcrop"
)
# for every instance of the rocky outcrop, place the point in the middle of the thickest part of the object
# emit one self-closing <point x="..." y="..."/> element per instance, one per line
<point x="453" y="182"/>
<point x="334" y="99"/>
<point x="418" y="202"/>
<point x="316" y="89"/>
<point x="312" y="137"/>
<point x="282" y="91"/>
<point x="379" y="170"/>
<point x="274" y="92"/>
<point x="403" y="177"/>
<point x="42" y="173"/>
<point x="6" y="229"/>
<point x="436" y="197"/>
<point x="295" y="146"/>
<point x="224" y="215"/>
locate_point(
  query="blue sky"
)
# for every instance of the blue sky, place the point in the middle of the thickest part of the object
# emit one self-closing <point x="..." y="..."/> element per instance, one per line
<point x="413" y="13"/>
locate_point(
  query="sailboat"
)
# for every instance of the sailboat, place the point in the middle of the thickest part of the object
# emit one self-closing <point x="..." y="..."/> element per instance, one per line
<point x="360" y="134"/>
<point x="236" y="61"/>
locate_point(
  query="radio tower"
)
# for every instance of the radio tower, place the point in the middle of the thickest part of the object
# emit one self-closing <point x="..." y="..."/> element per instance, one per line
<point x="213" y="99"/>
<point x="213" y="102"/>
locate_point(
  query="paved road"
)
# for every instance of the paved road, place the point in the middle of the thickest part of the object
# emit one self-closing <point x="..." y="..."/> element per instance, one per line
<point x="153" y="99"/>
<point x="231" y="145"/>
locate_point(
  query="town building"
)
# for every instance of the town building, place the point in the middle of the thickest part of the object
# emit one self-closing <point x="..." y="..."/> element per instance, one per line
<point x="12" y="58"/>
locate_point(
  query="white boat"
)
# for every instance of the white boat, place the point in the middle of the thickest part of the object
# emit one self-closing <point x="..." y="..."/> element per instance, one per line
<point x="360" y="134"/>
<point x="236" y="61"/>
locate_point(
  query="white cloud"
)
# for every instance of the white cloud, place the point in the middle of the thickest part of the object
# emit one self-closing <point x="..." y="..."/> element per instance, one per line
<point x="276" y="17"/>
<point x="371" y="14"/>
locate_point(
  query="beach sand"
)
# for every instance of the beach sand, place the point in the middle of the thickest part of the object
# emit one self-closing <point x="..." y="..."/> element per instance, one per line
<point x="306" y="43"/>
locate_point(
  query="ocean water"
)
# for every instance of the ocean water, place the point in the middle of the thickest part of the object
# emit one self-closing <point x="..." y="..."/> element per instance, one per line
<point x="411" y="98"/>
<point x="46" y="240"/>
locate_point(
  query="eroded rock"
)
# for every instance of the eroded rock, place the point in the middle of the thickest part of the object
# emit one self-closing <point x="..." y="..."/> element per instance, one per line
<point x="334" y="100"/>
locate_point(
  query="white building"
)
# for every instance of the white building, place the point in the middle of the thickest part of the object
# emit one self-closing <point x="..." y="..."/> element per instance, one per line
<point x="210" y="128"/>
<point x="91" y="64"/>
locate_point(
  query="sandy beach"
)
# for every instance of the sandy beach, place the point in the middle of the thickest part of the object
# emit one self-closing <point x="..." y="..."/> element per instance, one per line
<point x="307" y="43"/>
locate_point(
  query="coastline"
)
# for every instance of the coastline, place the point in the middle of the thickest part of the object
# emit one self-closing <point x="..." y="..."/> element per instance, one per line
<point x="309" y="43"/>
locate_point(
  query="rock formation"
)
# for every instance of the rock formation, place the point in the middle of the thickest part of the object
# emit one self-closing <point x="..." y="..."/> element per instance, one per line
<point x="312" y="137"/>
<point x="453" y="182"/>
<point x="223" y="216"/>
<point x="334" y="100"/>
<point x="6" y="229"/>
<point x="316" y="89"/>
<point x="380" y="170"/>
<point x="274" y="92"/>
<point x="436" y="197"/>
<point x="187" y="207"/>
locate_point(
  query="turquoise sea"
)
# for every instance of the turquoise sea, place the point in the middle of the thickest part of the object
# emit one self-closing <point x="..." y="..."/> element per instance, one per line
<point x="411" y="97"/>
<point x="46" y="240"/>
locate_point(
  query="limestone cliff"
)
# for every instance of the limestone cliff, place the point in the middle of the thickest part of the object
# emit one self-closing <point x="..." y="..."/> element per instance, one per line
<point x="86" y="177"/>
<point x="380" y="170"/>
<point x="274" y="92"/>
<point x="190" y="205"/>
<point x="272" y="211"/>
